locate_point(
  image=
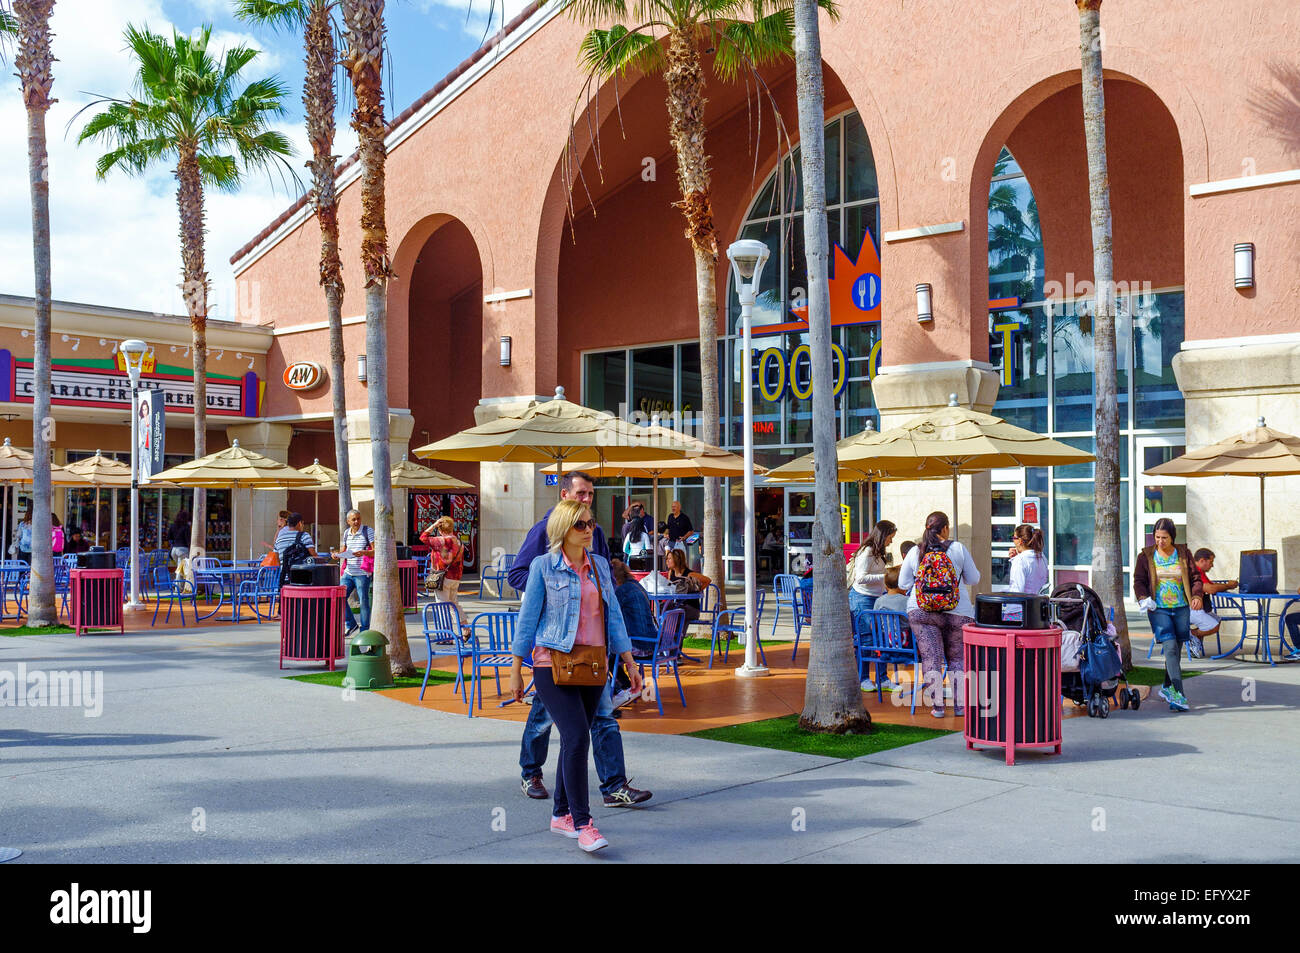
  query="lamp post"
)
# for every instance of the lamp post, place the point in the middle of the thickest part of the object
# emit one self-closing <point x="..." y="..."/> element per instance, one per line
<point x="133" y="352"/>
<point x="747" y="260"/>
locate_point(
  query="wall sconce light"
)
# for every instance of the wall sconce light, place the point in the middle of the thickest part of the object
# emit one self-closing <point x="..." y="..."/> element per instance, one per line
<point x="924" y="307"/>
<point x="361" y="368"/>
<point x="505" y="350"/>
<point x="1243" y="254"/>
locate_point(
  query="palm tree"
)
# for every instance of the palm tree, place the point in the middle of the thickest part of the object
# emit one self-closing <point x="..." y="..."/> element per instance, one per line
<point x="363" y="57"/>
<point x="316" y="19"/>
<point x="832" y="698"/>
<point x="746" y="34"/>
<point x="188" y="109"/>
<point x="29" y="21"/>
<point x="1107" y="554"/>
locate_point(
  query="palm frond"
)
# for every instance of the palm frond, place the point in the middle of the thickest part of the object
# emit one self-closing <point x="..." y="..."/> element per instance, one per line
<point x="613" y="52"/>
<point x="287" y="15"/>
<point x="742" y="45"/>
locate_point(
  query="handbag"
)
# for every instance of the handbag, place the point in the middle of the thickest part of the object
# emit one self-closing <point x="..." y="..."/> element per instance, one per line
<point x="433" y="581"/>
<point x="271" y="559"/>
<point x="584" y="665"/>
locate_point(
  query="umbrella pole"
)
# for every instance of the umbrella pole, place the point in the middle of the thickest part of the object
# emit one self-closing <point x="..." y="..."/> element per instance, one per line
<point x="96" y="514"/>
<point x="955" y="522"/>
<point x="1261" y="511"/>
<point x="654" y="537"/>
<point x="315" y="526"/>
<point x="4" y="524"/>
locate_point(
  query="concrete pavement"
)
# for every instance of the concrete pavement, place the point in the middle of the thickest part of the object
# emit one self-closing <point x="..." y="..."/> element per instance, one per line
<point x="203" y="754"/>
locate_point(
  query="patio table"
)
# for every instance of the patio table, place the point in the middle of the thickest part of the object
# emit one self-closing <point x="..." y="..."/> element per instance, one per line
<point x="226" y="577"/>
<point x="1262" y="605"/>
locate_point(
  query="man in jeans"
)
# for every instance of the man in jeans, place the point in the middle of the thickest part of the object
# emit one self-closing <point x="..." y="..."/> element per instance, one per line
<point x="606" y="741"/>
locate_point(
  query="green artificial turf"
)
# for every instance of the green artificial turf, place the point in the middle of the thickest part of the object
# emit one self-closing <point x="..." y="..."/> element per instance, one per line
<point x="784" y="734"/>
<point x="1144" y="675"/>
<point x="42" y="630"/>
<point x="696" y="643"/>
<point x="334" y="679"/>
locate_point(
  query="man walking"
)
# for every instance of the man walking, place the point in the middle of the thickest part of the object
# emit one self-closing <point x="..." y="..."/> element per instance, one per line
<point x="606" y="741"/>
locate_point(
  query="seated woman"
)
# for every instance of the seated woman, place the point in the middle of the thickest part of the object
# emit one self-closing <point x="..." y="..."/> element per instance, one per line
<point x="639" y="619"/>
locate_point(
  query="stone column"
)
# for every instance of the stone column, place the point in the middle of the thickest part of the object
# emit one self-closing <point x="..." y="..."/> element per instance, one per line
<point x="400" y="427"/>
<point x="904" y="392"/>
<point x="1227" y="390"/>
<point x="270" y="440"/>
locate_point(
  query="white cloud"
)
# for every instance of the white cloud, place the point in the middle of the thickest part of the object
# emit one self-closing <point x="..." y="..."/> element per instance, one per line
<point x="115" y="242"/>
<point x="473" y="14"/>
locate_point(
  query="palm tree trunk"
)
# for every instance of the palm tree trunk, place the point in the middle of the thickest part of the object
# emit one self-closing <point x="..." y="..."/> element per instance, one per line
<point x="832" y="697"/>
<point x="364" y="59"/>
<point x="685" y="79"/>
<point x="1107" y="548"/>
<point x="194" y="289"/>
<point x="319" y="100"/>
<point x="34" y="63"/>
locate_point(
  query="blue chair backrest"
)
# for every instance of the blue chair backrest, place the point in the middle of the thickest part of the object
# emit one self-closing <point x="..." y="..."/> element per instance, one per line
<point x="162" y="580"/>
<point x="441" y="622"/>
<point x="672" y="629"/>
<point x="268" y="579"/>
<point x="711" y="599"/>
<point x="888" y="629"/>
<point x="62" y="576"/>
<point x="206" y="562"/>
<point x="70" y="560"/>
<point x="786" y="587"/>
<point x="498" y="628"/>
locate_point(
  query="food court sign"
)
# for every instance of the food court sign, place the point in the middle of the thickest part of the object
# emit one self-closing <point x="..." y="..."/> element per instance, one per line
<point x="91" y="385"/>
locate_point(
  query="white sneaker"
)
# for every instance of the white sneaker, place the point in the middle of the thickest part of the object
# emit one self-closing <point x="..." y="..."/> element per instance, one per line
<point x="868" y="685"/>
<point x="888" y="686"/>
<point x="624" y="697"/>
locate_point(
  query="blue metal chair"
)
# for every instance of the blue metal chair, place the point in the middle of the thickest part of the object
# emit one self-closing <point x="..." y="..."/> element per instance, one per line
<point x="802" y="615"/>
<point x="887" y="640"/>
<point x="665" y="652"/>
<point x="11" y="572"/>
<point x="710" y="606"/>
<point x="165" y="587"/>
<point x="786" y="588"/>
<point x="197" y="565"/>
<point x="498" y="572"/>
<point x="729" y="624"/>
<point x="63" y="584"/>
<point x="253" y="591"/>
<point x="444" y="636"/>
<point x="1225" y="607"/>
<point x="491" y="651"/>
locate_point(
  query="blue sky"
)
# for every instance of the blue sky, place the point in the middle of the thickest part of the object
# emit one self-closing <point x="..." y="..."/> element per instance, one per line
<point x="114" y="242"/>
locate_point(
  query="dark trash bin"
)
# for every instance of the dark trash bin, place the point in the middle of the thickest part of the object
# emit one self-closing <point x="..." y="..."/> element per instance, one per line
<point x="314" y="574"/>
<point x="97" y="559"/>
<point x="403" y="552"/>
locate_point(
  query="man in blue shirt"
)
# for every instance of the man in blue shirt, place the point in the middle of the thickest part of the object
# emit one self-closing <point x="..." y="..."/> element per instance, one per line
<point x="606" y="741"/>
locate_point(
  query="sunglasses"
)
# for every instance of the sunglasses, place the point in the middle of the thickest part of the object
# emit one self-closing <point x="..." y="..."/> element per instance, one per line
<point x="583" y="525"/>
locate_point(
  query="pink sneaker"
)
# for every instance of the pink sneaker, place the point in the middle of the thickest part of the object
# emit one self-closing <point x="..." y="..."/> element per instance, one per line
<point x="563" y="825"/>
<point x="589" y="838"/>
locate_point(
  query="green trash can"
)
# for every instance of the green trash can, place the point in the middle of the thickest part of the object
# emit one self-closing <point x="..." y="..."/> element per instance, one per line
<point x="368" y="665"/>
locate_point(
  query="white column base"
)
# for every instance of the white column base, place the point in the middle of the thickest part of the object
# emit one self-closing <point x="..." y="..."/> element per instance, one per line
<point x="758" y="671"/>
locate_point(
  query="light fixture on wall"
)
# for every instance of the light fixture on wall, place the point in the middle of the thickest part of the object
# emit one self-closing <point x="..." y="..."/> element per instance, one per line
<point x="1243" y="254"/>
<point x="924" y="303"/>
<point x="505" y="350"/>
<point x="361" y="368"/>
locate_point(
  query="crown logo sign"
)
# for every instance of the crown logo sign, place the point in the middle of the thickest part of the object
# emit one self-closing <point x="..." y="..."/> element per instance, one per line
<point x="855" y="291"/>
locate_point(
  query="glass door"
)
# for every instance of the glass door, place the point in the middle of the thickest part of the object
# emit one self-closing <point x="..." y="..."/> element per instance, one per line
<point x="799" y="508"/>
<point x="1158" y="496"/>
<point x="1006" y="516"/>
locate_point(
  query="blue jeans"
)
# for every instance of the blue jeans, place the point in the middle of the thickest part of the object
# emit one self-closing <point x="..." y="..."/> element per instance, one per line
<point x="606" y="744"/>
<point x="1173" y="624"/>
<point x="362" y="585"/>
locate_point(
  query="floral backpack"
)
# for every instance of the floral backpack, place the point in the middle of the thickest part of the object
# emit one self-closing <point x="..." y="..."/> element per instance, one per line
<point x="937" y="586"/>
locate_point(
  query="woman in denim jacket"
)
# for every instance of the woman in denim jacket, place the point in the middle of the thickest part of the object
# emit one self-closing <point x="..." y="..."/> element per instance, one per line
<point x="570" y="600"/>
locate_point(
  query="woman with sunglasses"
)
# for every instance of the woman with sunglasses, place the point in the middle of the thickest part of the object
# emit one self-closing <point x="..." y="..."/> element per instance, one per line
<point x="570" y="601"/>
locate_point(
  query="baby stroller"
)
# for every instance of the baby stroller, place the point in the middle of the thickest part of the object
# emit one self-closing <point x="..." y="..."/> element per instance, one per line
<point x="1091" y="670"/>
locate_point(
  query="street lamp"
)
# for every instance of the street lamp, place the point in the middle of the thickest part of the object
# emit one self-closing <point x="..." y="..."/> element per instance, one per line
<point x="747" y="260"/>
<point x="133" y="353"/>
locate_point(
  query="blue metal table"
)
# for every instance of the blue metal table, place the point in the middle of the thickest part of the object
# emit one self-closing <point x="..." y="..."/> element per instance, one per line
<point x="227" y="577"/>
<point x="1262" y="612"/>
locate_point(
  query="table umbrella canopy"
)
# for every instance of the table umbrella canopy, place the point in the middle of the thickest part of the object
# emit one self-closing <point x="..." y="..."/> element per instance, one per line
<point x="326" y="479"/>
<point x="1259" y="452"/>
<point x="236" y="468"/>
<point x="557" y="431"/>
<point x="16" y="467"/>
<point x="100" y="470"/>
<point x="408" y="475"/>
<point x="943" y="443"/>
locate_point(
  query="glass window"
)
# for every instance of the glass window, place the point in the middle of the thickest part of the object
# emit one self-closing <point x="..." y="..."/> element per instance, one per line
<point x="859" y="221"/>
<point x="1074" y="505"/>
<point x="1157" y="338"/>
<point x="652" y="380"/>
<point x="1072" y="360"/>
<point x="1018" y="348"/>
<point x="1086" y="471"/>
<point x="606" y="384"/>
<point x="859" y="164"/>
<point x="688" y="356"/>
<point x="1016" y="260"/>
<point x="769" y="308"/>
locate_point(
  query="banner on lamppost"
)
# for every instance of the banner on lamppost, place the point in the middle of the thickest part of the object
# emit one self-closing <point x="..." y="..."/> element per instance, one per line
<point x="151" y="432"/>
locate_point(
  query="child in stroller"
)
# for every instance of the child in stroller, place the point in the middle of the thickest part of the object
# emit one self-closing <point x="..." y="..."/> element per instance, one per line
<point x="1091" y="671"/>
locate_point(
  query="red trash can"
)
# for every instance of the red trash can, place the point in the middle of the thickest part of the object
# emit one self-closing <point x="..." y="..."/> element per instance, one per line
<point x="311" y="624"/>
<point x="1014" y="696"/>
<point x="97" y="599"/>
<point x="408" y="574"/>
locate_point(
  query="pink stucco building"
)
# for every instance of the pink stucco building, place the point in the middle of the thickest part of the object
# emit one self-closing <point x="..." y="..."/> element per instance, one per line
<point x="956" y="139"/>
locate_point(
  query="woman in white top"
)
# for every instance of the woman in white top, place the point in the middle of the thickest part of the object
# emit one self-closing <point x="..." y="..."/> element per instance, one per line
<point x="1028" y="564"/>
<point x="938" y="630"/>
<point x="866" y="578"/>
<point x="637" y="545"/>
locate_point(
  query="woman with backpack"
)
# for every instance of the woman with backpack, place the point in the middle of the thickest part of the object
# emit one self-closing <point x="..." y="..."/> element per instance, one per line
<point x="938" y="606"/>
<point x="446" y="556"/>
<point x="358" y="554"/>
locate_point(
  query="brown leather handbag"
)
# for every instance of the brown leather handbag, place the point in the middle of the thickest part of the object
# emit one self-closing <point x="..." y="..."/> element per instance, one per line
<point x="584" y="664"/>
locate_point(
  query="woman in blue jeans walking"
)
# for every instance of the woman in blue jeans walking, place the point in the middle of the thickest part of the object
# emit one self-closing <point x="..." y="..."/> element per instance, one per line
<point x="1168" y="587"/>
<point x="569" y="602"/>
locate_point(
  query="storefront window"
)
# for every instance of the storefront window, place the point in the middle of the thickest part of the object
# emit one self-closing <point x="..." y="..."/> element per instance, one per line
<point x="1157" y="338"/>
<point x="1015" y="237"/>
<point x="1018" y="349"/>
<point x="606" y="381"/>
<point x="1074" y="507"/>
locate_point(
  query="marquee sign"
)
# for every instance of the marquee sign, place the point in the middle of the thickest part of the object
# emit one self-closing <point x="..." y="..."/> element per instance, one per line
<point x="85" y="385"/>
<point x="303" y="375"/>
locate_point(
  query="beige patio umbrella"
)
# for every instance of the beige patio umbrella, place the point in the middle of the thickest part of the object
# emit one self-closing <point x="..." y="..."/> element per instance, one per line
<point x="947" y="442"/>
<point x="326" y="479"/>
<point x="236" y="468"/>
<point x="1258" y="452"/>
<point x="102" y="471"/>
<point x="16" y="468"/>
<point x="409" y="475"/>
<point x="560" y="432"/>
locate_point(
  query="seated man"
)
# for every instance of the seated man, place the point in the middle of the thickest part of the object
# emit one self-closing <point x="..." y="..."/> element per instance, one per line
<point x="1204" y="622"/>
